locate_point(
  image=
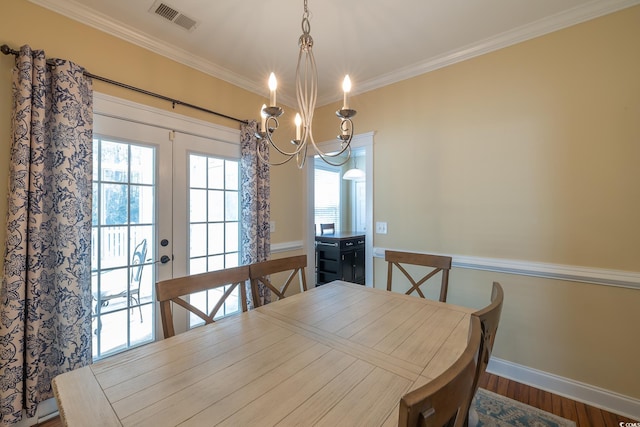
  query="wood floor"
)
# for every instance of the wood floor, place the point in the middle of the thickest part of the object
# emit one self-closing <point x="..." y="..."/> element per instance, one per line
<point x="583" y="415"/>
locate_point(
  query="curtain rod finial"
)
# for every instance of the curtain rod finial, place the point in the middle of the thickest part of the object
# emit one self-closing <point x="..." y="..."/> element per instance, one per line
<point x="8" y="51"/>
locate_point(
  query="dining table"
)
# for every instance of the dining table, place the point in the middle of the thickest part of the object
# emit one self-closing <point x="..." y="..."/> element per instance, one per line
<point x="339" y="354"/>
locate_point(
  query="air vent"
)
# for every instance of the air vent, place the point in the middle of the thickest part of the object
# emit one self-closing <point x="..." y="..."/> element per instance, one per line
<point x="169" y="13"/>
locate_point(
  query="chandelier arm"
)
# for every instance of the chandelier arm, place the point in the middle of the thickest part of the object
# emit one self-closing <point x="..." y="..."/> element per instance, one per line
<point x="268" y="133"/>
<point x="269" y="162"/>
<point x="346" y="144"/>
<point x="279" y="150"/>
<point x="326" y="158"/>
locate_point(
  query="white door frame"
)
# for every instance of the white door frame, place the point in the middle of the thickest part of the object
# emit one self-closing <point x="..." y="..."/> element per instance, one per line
<point x="359" y="141"/>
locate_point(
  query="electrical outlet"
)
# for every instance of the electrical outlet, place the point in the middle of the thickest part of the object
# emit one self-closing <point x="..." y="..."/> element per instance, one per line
<point x="381" y="227"/>
<point x="272" y="226"/>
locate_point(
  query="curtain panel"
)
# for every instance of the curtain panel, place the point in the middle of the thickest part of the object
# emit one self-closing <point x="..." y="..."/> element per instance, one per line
<point x="45" y="299"/>
<point x="256" y="208"/>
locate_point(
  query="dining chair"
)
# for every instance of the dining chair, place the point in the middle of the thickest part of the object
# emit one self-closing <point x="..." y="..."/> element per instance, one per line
<point x="443" y="401"/>
<point x="489" y="320"/>
<point x="260" y="272"/>
<point x="132" y="292"/>
<point x="327" y="228"/>
<point x="171" y="290"/>
<point x="439" y="263"/>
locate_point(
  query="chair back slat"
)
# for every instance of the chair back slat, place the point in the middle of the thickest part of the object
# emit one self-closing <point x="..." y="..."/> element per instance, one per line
<point x="327" y="228"/>
<point x="438" y="263"/>
<point x="260" y="272"/>
<point x="172" y="290"/>
<point x="443" y="401"/>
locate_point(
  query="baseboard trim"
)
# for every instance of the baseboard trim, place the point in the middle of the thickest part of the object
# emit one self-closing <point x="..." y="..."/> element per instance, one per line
<point x="575" y="390"/>
<point x="598" y="276"/>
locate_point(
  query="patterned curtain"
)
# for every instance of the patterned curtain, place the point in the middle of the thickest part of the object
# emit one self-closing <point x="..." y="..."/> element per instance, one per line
<point x="45" y="299"/>
<point x="256" y="187"/>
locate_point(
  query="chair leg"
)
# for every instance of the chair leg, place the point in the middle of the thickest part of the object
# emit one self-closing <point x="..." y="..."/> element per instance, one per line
<point x="137" y="301"/>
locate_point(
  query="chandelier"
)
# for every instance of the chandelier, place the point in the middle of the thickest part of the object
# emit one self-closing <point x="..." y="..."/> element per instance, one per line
<point x="306" y="94"/>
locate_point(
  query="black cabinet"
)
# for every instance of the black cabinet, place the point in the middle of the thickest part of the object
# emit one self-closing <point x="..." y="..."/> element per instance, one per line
<point x="340" y="256"/>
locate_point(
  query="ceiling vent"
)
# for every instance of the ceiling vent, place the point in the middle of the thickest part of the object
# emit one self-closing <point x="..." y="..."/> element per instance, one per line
<point x="169" y="13"/>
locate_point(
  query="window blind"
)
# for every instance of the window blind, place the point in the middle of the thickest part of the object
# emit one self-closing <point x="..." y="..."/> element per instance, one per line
<point x="327" y="197"/>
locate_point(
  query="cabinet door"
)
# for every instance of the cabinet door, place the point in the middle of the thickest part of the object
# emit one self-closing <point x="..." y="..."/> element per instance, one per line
<point x="347" y="266"/>
<point x="358" y="266"/>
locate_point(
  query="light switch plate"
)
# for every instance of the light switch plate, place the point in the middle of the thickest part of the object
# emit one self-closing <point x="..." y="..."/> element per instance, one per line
<point x="381" y="228"/>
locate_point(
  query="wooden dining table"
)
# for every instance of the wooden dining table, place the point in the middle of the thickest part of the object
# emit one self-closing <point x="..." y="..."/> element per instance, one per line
<point x="338" y="354"/>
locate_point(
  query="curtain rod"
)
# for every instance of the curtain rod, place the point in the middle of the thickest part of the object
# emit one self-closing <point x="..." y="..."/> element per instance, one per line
<point x="8" y="51"/>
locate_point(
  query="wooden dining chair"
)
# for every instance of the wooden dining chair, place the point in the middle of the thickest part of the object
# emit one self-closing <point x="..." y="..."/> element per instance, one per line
<point x="438" y="263"/>
<point x="489" y="319"/>
<point x="171" y="290"/>
<point x="443" y="401"/>
<point x="327" y="228"/>
<point x="260" y="272"/>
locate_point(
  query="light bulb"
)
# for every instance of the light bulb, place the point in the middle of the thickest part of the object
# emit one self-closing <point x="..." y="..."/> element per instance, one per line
<point x="346" y="87"/>
<point x="273" y="85"/>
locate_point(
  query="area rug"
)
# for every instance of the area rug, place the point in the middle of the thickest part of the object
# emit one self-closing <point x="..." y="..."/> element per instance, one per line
<point x="495" y="410"/>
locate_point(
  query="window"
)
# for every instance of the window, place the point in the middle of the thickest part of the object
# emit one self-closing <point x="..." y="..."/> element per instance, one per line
<point x="327" y="195"/>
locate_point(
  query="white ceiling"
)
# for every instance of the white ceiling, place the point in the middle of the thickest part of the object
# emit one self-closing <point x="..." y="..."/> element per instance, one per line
<point x="376" y="42"/>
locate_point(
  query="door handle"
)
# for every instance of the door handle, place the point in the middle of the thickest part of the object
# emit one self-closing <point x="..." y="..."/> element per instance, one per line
<point x="165" y="259"/>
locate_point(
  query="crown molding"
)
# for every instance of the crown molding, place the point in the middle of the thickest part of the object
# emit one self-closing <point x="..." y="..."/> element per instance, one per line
<point x="588" y="11"/>
<point x="574" y="16"/>
<point x="99" y="21"/>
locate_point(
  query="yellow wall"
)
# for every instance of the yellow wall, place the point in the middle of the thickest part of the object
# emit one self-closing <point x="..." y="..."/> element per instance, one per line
<point x="530" y="153"/>
<point x="24" y="23"/>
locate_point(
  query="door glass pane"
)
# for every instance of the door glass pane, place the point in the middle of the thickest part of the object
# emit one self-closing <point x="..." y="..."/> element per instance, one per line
<point x="141" y="156"/>
<point x="122" y="245"/>
<point x="198" y="205"/>
<point x="231" y="179"/>
<point x="198" y="246"/>
<point x="216" y="173"/>
<point x="216" y="205"/>
<point x="142" y="204"/>
<point x="216" y="238"/>
<point x="213" y="224"/>
<point x="198" y="265"/>
<point x="114" y="161"/>
<point x="231" y="233"/>
<point x="231" y="205"/>
<point x="114" y="203"/>
<point x="198" y="170"/>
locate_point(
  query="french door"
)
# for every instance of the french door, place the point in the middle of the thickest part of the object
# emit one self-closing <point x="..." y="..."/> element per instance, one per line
<point x="206" y="225"/>
<point x="165" y="204"/>
<point x="130" y="202"/>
